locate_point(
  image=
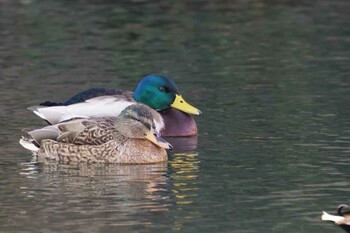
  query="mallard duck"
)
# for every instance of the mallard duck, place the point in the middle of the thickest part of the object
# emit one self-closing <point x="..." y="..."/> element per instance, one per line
<point x="157" y="91"/>
<point x="129" y="138"/>
<point x="342" y="219"/>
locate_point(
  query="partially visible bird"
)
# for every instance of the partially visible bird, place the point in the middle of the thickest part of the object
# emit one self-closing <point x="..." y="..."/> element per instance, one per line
<point x="342" y="219"/>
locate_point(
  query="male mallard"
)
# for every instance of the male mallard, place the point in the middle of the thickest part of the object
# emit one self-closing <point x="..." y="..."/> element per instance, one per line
<point x="129" y="138"/>
<point x="157" y="91"/>
<point x="342" y="219"/>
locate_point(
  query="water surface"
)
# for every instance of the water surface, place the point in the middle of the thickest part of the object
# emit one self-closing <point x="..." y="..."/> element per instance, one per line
<point x="271" y="78"/>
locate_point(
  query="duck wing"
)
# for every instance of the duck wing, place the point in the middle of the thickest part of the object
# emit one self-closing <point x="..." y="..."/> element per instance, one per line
<point x="77" y="131"/>
<point x="100" y="106"/>
<point x="89" y="94"/>
<point x="31" y="139"/>
<point x="87" y="131"/>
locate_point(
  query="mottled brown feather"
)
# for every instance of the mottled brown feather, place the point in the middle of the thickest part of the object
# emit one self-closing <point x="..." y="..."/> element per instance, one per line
<point x="104" y="140"/>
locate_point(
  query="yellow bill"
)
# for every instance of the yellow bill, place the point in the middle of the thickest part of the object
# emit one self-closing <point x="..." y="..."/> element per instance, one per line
<point x="180" y="104"/>
<point x="153" y="137"/>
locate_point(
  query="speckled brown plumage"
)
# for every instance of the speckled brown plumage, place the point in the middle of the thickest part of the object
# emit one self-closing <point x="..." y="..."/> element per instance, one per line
<point x="89" y="131"/>
<point x="136" y="151"/>
<point x="119" y="139"/>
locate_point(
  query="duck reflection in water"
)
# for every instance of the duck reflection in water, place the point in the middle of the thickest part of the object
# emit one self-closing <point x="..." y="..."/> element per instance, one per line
<point x="183" y="145"/>
<point x="127" y="193"/>
<point x="184" y="173"/>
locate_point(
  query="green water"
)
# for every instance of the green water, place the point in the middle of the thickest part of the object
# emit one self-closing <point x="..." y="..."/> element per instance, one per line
<point x="271" y="77"/>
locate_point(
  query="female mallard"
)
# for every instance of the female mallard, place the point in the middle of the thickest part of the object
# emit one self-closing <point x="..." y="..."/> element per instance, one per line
<point x="342" y="219"/>
<point x="129" y="138"/>
<point x="156" y="91"/>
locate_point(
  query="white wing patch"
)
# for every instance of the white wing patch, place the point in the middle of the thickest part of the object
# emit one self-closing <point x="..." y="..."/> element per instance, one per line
<point x="328" y="217"/>
<point x="28" y="145"/>
<point x="101" y="106"/>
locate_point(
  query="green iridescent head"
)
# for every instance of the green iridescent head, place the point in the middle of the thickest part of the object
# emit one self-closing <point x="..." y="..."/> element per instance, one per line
<point x="160" y="92"/>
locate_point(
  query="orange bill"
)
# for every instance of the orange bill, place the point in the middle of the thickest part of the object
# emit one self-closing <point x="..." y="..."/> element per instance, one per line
<point x="153" y="137"/>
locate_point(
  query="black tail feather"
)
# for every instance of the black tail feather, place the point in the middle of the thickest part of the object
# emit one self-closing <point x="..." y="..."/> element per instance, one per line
<point x="49" y="104"/>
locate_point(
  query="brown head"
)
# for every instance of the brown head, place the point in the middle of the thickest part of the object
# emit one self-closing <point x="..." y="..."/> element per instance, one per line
<point x="137" y="122"/>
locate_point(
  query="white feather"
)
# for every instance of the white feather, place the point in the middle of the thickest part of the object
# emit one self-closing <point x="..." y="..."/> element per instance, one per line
<point x="328" y="217"/>
<point x="28" y="145"/>
<point x="159" y="123"/>
<point x="102" y="106"/>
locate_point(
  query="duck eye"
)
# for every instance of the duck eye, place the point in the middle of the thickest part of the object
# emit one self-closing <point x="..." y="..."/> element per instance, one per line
<point x="164" y="89"/>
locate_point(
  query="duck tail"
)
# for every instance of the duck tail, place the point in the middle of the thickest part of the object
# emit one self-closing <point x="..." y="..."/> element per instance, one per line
<point x="328" y="217"/>
<point x="29" y="143"/>
<point x="52" y="114"/>
<point x="31" y="140"/>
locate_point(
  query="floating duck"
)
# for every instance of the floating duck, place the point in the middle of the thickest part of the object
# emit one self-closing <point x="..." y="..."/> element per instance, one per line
<point x="129" y="138"/>
<point x="157" y="91"/>
<point x="342" y="219"/>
